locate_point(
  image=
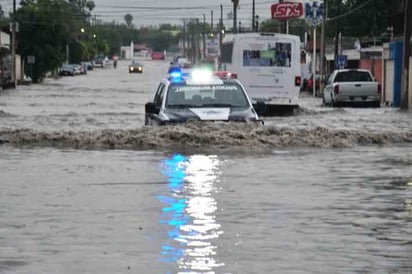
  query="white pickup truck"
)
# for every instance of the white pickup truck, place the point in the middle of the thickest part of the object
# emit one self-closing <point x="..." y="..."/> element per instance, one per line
<point x="352" y="87"/>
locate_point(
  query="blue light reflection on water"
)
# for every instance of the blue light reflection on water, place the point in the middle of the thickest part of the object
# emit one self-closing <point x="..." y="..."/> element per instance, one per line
<point x="189" y="211"/>
<point x="174" y="211"/>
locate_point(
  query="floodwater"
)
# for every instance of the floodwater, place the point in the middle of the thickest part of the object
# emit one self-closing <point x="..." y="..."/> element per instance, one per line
<point x="86" y="188"/>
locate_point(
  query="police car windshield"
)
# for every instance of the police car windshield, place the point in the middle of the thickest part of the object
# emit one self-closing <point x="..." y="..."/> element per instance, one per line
<point x="227" y="95"/>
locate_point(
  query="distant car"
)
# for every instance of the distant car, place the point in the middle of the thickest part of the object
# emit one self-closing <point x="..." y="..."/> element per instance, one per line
<point x="80" y="68"/>
<point x="199" y="96"/>
<point x="157" y="55"/>
<point x="99" y="61"/>
<point x="354" y="87"/>
<point x="68" y="70"/>
<point x="135" y="67"/>
<point x="88" y="65"/>
<point x="309" y="84"/>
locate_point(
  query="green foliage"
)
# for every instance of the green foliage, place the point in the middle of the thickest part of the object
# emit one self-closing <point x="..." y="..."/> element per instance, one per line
<point x="361" y="18"/>
<point x="159" y="40"/>
<point x="45" y="30"/>
<point x="357" y="18"/>
<point x="49" y="29"/>
<point x="110" y="37"/>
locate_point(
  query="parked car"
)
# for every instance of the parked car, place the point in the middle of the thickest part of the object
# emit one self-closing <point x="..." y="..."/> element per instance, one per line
<point x="88" y="65"/>
<point x="309" y="83"/>
<point x="68" y="70"/>
<point x="354" y="87"/>
<point x="81" y="68"/>
<point x="100" y="61"/>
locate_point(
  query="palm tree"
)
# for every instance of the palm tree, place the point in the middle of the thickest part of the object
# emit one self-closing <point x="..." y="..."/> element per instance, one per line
<point x="128" y="18"/>
<point x="90" y="5"/>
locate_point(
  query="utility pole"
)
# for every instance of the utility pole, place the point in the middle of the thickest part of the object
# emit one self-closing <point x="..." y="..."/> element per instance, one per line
<point x="204" y="36"/>
<point x="235" y="4"/>
<point x="337" y="33"/>
<point x="211" y="21"/>
<point x="253" y="15"/>
<point x="322" y="51"/>
<point x="184" y="38"/>
<point x="406" y="54"/>
<point x="13" y="45"/>
<point x="221" y="17"/>
<point x="257" y="23"/>
<point x="220" y="31"/>
<point x="282" y="23"/>
<point x="197" y="41"/>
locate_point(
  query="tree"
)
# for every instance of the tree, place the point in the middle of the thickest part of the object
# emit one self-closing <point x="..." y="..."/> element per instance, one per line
<point x="368" y="20"/>
<point x="90" y="5"/>
<point x="361" y="18"/>
<point x="128" y="18"/>
<point x="46" y="29"/>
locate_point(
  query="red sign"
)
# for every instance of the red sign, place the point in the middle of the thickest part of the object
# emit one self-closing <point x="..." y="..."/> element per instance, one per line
<point x="287" y="10"/>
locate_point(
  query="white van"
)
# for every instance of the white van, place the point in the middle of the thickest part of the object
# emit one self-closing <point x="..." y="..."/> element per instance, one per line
<point x="268" y="65"/>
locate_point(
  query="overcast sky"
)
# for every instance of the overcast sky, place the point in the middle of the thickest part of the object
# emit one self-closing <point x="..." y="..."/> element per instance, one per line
<point x="155" y="12"/>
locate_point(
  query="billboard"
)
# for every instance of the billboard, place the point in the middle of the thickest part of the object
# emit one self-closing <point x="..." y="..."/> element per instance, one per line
<point x="287" y="10"/>
<point x="310" y="10"/>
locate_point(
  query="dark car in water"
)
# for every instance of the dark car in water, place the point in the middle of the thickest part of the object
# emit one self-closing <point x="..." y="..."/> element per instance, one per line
<point x="135" y="67"/>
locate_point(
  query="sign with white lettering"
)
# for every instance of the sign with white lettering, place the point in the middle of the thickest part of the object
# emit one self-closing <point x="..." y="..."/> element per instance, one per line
<point x="287" y="10"/>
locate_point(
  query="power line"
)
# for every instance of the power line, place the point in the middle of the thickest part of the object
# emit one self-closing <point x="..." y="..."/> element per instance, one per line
<point x="349" y="12"/>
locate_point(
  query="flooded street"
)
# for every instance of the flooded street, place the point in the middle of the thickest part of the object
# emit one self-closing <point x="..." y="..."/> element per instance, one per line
<point x="86" y="188"/>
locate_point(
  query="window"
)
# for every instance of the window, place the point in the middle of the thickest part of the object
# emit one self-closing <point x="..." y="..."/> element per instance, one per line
<point x="159" y="96"/>
<point x="353" y="76"/>
<point x="276" y="55"/>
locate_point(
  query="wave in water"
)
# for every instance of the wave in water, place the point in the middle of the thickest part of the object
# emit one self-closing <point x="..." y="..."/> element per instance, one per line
<point x="242" y="136"/>
<point x="6" y="114"/>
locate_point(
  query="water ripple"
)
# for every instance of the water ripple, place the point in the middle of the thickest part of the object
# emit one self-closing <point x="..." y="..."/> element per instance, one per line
<point x="205" y="135"/>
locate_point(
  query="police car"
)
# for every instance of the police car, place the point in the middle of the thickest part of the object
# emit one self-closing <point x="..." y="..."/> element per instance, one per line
<point x="199" y="95"/>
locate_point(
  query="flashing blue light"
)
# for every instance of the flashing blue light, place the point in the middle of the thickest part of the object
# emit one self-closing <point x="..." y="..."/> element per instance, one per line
<point x="176" y="74"/>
